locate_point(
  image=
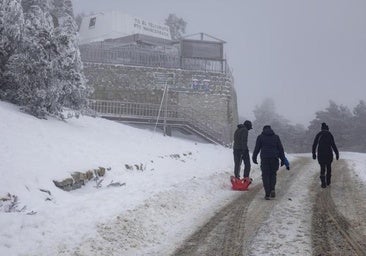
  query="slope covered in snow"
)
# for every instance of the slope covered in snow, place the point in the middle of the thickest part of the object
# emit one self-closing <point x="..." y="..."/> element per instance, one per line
<point x="35" y="152"/>
<point x="169" y="187"/>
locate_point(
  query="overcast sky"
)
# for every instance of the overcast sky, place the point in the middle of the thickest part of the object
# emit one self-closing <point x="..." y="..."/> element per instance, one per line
<point x="301" y="53"/>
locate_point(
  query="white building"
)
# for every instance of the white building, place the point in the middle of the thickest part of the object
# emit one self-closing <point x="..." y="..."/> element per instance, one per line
<point x="115" y="24"/>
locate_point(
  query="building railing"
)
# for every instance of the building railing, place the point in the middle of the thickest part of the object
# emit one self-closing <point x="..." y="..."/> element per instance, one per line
<point x="197" y="121"/>
<point x="148" y="57"/>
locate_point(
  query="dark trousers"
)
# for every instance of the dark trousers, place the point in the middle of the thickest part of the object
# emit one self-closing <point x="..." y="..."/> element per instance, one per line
<point x="269" y="167"/>
<point x="325" y="173"/>
<point x="241" y="155"/>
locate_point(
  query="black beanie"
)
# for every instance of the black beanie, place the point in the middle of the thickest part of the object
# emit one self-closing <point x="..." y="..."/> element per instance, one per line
<point x="248" y="124"/>
<point x="325" y="126"/>
<point x="266" y="127"/>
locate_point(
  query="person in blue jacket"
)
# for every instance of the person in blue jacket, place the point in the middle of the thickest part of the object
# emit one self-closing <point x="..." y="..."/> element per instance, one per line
<point x="271" y="150"/>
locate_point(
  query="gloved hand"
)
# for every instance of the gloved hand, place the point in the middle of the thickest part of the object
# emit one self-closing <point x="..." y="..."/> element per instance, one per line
<point x="337" y="156"/>
<point x="287" y="163"/>
<point x="314" y="156"/>
<point x="254" y="160"/>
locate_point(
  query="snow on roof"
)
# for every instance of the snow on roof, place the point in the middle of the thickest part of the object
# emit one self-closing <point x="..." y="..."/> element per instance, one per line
<point x="115" y="24"/>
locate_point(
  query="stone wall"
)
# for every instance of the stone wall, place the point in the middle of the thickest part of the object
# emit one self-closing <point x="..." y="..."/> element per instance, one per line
<point x="208" y="93"/>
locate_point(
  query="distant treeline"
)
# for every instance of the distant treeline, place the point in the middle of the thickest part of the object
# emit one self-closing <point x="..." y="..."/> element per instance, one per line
<point x="347" y="126"/>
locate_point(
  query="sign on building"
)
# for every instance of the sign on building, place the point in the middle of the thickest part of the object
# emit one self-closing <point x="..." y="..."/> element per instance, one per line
<point x="115" y="24"/>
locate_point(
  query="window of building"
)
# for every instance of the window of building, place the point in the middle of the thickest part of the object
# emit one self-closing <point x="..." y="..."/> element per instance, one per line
<point x="92" y="22"/>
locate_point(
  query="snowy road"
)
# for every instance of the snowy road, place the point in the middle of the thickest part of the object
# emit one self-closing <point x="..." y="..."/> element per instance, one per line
<point x="337" y="226"/>
<point x="339" y="214"/>
<point x="233" y="229"/>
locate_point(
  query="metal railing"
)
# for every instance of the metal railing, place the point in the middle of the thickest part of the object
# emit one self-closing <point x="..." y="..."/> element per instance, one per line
<point x="173" y="114"/>
<point x="148" y="57"/>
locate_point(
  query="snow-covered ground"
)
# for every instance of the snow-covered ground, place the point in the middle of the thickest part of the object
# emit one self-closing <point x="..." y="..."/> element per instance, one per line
<point x="181" y="185"/>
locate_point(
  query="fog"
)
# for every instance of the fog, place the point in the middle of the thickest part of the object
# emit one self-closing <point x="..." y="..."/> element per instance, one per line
<point x="300" y="53"/>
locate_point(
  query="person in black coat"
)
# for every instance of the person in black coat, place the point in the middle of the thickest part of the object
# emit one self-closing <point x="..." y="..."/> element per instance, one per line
<point x="240" y="148"/>
<point x="270" y="146"/>
<point x="324" y="141"/>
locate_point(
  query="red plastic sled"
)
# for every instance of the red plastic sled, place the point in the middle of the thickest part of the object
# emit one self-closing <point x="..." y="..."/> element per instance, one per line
<point x="240" y="184"/>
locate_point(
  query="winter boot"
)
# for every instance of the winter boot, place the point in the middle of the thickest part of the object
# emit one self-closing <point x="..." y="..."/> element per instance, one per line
<point x="322" y="179"/>
<point x="328" y="179"/>
<point x="273" y="194"/>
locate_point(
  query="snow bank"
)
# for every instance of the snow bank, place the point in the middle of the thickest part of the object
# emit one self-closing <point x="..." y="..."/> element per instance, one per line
<point x="35" y="152"/>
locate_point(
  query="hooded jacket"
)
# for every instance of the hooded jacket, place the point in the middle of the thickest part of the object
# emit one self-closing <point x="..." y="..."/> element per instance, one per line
<point x="241" y="138"/>
<point x="269" y="144"/>
<point x="324" y="142"/>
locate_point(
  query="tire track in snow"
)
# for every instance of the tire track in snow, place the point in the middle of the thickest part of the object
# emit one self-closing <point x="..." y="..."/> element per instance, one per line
<point x="232" y="229"/>
<point x="333" y="233"/>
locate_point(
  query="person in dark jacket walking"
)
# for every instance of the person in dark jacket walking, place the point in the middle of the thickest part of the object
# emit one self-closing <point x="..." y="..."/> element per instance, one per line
<point x="270" y="146"/>
<point x="241" y="151"/>
<point x="324" y="141"/>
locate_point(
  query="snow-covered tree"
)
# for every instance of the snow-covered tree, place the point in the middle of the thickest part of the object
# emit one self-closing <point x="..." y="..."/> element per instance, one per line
<point x="11" y="28"/>
<point x="43" y="4"/>
<point x="61" y="8"/>
<point x="45" y="73"/>
<point x="176" y="25"/>
<point x="68" y="8"/>
<point x="68" y="64"/>
<point x="30" y="70"/>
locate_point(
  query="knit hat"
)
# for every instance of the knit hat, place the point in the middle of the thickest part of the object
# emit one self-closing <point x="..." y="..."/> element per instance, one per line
<point x="248" y="124"/>
<point x="325" y="126"/>
<point x="266" y="127"/>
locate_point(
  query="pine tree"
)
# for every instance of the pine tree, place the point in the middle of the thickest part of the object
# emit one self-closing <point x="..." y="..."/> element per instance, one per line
<point x="68" y="64"/>
<point x="44" y="72"/>
<point x="176" y="25"/>
<point x="11" y="28"/>
<point x="43" y="4"/>
<point x="339" y="120"/>
<point x="31" y="69"/>
<point x="68" y="8"/>
<point x="62" y="8"/>
<point x="358" y="134"/>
